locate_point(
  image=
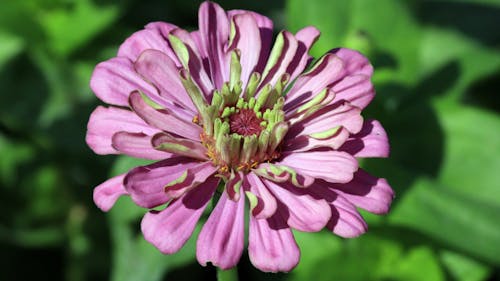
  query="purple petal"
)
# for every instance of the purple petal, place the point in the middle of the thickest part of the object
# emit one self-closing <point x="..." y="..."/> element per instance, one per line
<point x="104" y="122"/>
<point x="158" y="68"/>
<point x="137" y="145"/>
<point x="163" y="119"/>
<point x="306" y="38"/>
<point x="330" y="117"/>
<point x="266" y="35"/>
<point x="266" y="204"/>
<point x="371" y="141"/>
<point x="194" y="177"/>
<point x="151" y="38"/>
<point x="271" y="245"/>
<point x="328" y="70"/>
<point x="106" y="194"/>
<point x="274" y="72"/>
<point x="221" y="239"/>
<point x="366" y="191"/>
<point x="214" y="31"/>
<point x="302" y="211"/>
<point x="169" y="229"/>
<point x="146" y="184"/>
<point x="247" y="40"/>
<point x="114" y="79"/>
<point x="187" y="148"/>
<point x="332" y="166"/>
<point x="354" y="62"/>
<point x="346" y="220"/>
<point x="357" y="89"/>
<point x="195" y="64"/>
<point x="305" y="143"/>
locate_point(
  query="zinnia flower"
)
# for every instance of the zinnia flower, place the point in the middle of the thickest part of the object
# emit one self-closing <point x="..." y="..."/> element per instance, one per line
<point x="227" y="113"/>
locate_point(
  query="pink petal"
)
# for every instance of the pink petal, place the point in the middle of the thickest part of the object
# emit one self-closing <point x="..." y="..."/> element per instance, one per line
<point x="266" y="35"/>
<point x="357" y="89"/>
<point x="137" y="145"/>
<point x="247" y="40"/>
<point x="114" y="79"/>
<point x="328" y="70"/>
<point x="345" y="220"/>
<point x="354" y="61"/>
<point x="331" y="116"/>
<point x="193" y="149"/>
<point x="271" y="245"/>
<point x="266" y="203"/>
<point x="221" y="239"/>
<point x="195" y="64"/>
<point x="104" y="122"/>
<point x="272" y="73"/>
<point x="195" y="176"/>
<point x="335" y="167"/>
<point x="306" y="38"/>
<point x="302" y="211"/>
<point x="371" y="141"/>
<point x="158" y="68"/>
<point x="146" y="184"/>
<point x="151" y="38"/>
<point x="163" y="119"/>
<point x="169" y="229"/>
<point x="214" y="31"/>
<point x="366" y="192"/>
<point x="106" y="194"/>
<point x="305" y="142"/>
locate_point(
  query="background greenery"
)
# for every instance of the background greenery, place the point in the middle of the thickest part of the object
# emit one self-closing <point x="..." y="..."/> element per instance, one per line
<point x="437" y="78"/>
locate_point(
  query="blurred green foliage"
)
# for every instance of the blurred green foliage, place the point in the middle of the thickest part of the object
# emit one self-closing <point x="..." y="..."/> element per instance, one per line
<point x="437" y="78"/>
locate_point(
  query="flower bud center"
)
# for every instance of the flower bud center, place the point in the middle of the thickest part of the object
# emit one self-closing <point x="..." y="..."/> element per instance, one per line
<point x="245" y="123"/>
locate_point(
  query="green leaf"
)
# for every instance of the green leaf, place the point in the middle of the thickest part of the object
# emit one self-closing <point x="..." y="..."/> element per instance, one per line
<point x="70" y="28"/>
<point x="10" y="46"/>
<point x="463" y="268"/>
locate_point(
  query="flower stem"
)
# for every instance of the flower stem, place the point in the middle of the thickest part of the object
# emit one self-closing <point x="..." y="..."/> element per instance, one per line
<point x="227" y="275"/>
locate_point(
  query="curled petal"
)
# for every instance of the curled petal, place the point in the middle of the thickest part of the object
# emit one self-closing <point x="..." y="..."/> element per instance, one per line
<point x="346" y="220"/>
<point x="169" y="229"/>
<point x="179" y="146"/>
<point x="106" y="194"/>
<point x="163" y="119"/>
<point x="221" y="239"/>
<point x="332" y="166"/>
<point x="306" y="142"/>
<point x="271" y="245"/>
<point x="104" y="122"/>
<point x="114" y="79"/>
<point x="282" y="54"/>
<point x="262" y="202"/>
<point x="371" y="141"/>
<point x="301" y="210"/>
<point x="146" y="184"/>
<point x="137" y="145"/>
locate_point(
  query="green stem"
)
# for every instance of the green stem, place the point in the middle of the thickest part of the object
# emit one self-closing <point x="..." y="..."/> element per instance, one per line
<point x="227" y="275"/>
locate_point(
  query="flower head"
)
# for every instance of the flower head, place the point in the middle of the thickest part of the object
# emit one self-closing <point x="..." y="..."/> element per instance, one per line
<point x="224" y="107"/>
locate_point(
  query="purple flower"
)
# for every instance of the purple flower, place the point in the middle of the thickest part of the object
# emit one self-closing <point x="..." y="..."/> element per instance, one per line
<point x="224" y="110"/>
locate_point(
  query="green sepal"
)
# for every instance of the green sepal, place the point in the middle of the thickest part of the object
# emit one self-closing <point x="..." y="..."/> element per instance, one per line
<point x="177" y="181"/>
<point x="234" y="69"/>
<point x="149" y="101"/>
<point x="180" y="49"/>
<point x="275" y="54"/>
<point x="253" y="82"/>
<point x="325" y="134"/>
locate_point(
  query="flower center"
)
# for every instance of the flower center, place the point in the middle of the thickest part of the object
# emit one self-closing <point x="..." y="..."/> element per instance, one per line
<point x="245" y="123"/>
<point x="242" y="126"/>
